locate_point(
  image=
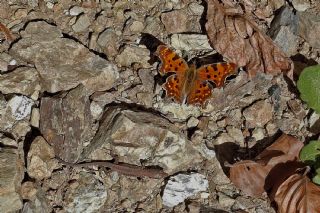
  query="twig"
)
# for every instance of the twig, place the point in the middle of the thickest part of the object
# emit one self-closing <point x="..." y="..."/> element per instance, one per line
<point x="6" y="32"/>
<point x="122" y="168"/>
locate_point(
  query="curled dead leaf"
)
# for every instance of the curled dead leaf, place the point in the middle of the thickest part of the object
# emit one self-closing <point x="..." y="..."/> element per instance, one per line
<point x="239" y="40"/>
<point x="251" y="176"/>
<point x="298" y="194"/>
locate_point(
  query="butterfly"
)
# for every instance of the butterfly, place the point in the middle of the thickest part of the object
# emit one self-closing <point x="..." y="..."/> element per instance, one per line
<point x="188" y="84"/>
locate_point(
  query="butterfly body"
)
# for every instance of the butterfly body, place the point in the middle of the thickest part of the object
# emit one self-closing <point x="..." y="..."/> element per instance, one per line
<point x="188" y="84"/>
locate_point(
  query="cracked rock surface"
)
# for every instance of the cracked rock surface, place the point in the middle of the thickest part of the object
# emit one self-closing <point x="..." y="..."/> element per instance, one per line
<point x="79" y="85"/>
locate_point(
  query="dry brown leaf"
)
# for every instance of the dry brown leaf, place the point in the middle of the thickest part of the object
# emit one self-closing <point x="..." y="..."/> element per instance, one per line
<point x="250" y="176"/>
<point x="298" y="194"/>
<point x="239" y="40"/>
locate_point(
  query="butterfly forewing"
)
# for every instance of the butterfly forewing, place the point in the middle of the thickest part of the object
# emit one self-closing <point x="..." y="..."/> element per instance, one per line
<point x="170" y="61"/>
<point x="216" y="73"/>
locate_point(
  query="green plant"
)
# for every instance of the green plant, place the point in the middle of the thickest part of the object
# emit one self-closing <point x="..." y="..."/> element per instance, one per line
<point x="309" y="87"/>
<point x="310" y="154"/>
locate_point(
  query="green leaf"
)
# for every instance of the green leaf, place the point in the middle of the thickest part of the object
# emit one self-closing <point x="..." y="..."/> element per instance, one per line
<point x="316" y="179"/>
<point x="310" y="153"/>
<point x="309" y="87"/>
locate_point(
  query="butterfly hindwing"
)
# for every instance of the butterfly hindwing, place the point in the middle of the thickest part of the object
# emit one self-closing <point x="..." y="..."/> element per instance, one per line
<point x="200" y="92"/>
<point x="170" y="61"/>
<point x="173" y="87"/>
<point x="216" y="73"/>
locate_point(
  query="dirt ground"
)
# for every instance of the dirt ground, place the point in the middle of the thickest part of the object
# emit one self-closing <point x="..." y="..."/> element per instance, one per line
<point x="86" y="126"/>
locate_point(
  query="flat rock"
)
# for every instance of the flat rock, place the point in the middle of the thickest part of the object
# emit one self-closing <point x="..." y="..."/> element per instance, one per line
<point x="62" y="63"/>
<point x="309" y="28"/>
<point x="135" y="136"/>
<point x="65" y="122"/>
<point x="183" y="20"/>
<point x="23" y="80"/>
<point x="134" y="54"/>
<point x="87" y="194"/>
<point x="259" y="114"/>
<point x="15" y="114"/>
<point x="41" y="160"/>
<point x="82" y="24"/>
<point x="11" y="175"/>
<point x="191" y="42"/>
<point x="183" y="186"/>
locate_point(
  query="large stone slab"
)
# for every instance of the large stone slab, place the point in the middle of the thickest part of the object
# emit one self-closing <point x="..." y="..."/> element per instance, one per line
<point x="62" y="62"/>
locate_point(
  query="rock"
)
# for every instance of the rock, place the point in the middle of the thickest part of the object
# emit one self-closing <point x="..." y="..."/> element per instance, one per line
<point x="176" y="111"/>
<point x="183" y="20"/>
<point x="134" y="54"/>
<point x="108" y="42"/>
<point x="66" y="123"/>
<point x="136" y="26"/>
<point x="20" y="107"/>
<point x="75" y="11"/>
<point x="301" y="5"/>
<point x="62" y="63"/>
<point x="259" y="114"/>
<point x="258" y="133"/>
<point x="86" y="194"/>
<point x="286" y="40"/>
<point x="23" y="80"/>
<point x="35" y="117"/>
<point x="82" y="24"/>
<point x="236" y="134"/>
<point x="183" y="186"/>
<point x="223" y="138"/>
<point x="96" y="110"/>
<point x="225" y="201"/>
<point x="11" y="175"/>
<point x="271" y="128"/>
<point x="314" y="123"/>
<point x="41" y="160"/>
<point x="192" y="122"/>
<point x="28" y="190"/>
<point x="297" y="108"/>
<point x="191" y="43"/>
<point x="147" y="79"/>
<point x="153" y="25"/>
<point x="136" y="137"/>
<point x="20" y="129"/>
<point x="309" y="28"/>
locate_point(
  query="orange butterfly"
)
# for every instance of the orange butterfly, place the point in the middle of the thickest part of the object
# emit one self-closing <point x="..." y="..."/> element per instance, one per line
<point x="188" y="84"/>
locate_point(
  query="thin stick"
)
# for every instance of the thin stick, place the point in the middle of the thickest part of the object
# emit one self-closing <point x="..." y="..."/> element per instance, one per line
<point x="123" y="168"/>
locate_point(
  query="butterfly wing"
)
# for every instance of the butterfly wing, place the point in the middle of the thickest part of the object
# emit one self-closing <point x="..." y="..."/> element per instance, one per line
<point x="170" y="61"/>
<point x="200" y="92"/>
<point x="216" y="73"/>
<point x="173" y="88"/>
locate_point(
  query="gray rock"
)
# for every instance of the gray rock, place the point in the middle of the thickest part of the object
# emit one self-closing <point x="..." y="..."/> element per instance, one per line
<point x="286" y="40"/>
<point x="192" y="122"/>
<point x="66" y="123"/>
<point x="236" y="134"/>
<point x="108" y="42"/>
<point x="41" y="161"/>
<point x="301" y="5"/>
<point x="82" y="24"/>
<point x="259" y="114"/>
<point x="75" y="11"/>
<point x="20" y="107"/>
<point x="182" y="20"/>
<point x="135" y="136"/>
<point x="11" y="175"/>
<point x="134" y="54"/>
<point x="22" y="80"/>
<point x="183" y="186"/>
<point x="309" y="28"/>
<point x="191" y="42"/>
<point x="87" y="194"/>
<point x="62" y="63"/>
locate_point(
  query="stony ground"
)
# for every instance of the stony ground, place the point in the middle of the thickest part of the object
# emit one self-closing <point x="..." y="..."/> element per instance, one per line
<point x="79" y="83"/>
